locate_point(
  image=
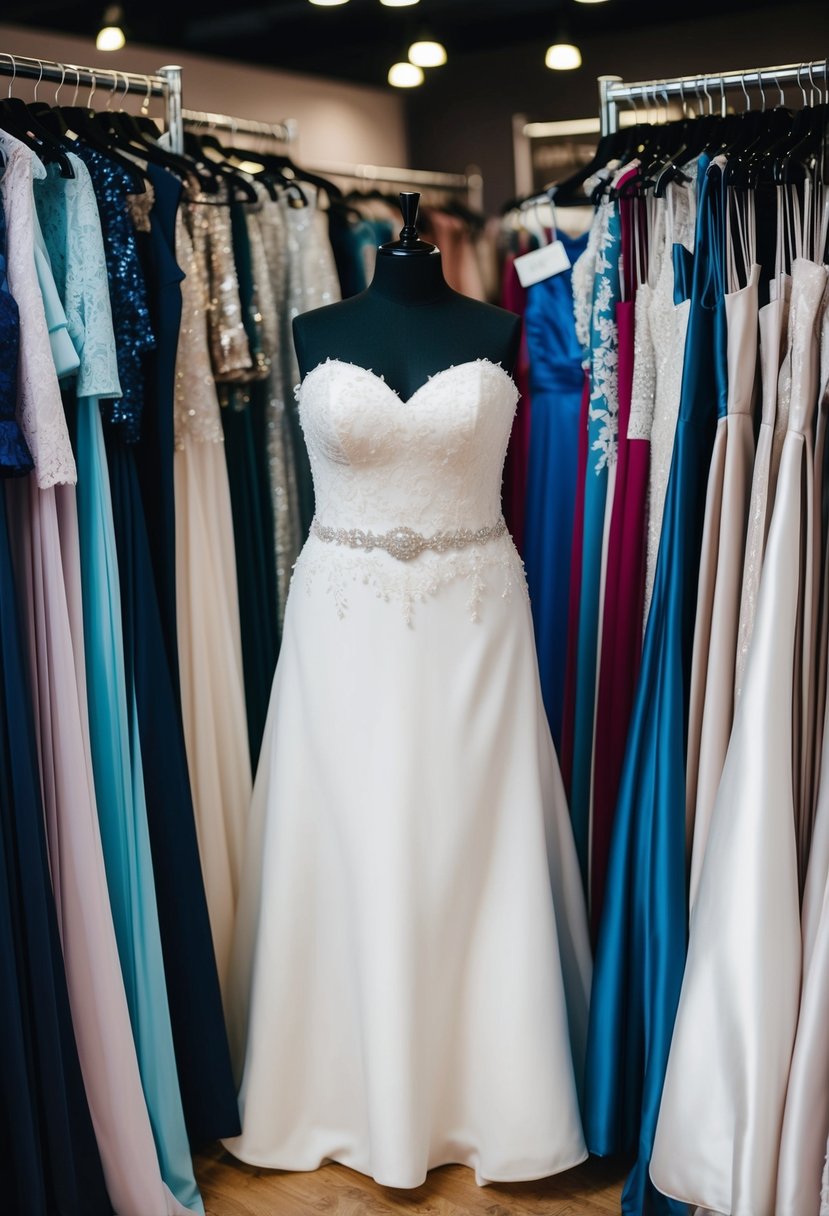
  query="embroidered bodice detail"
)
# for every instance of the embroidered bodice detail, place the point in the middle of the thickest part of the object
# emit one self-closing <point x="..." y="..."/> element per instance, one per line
<point x="432" y="464"/>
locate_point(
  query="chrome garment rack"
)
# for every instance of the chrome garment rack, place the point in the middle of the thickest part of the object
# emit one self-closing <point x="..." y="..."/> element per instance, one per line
<point x="471" y="182"/>
<point x="282" y="132"/>
<point x="286" y="132"/>
<point x="712" y="86"/>
<point x="165" y="83"/>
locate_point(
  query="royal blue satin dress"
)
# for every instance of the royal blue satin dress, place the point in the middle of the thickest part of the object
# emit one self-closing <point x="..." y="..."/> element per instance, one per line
<point x="556" y="380"/>
<point x="643" y="936"/>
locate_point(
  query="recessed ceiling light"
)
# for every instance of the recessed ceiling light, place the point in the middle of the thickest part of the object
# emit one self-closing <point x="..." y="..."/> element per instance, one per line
<point x="405" y="75"/>
<point x="563" y="57"/>
<point x="427" y="54"/>
<point x="398" y="3"/>
<point x="111" y="36"/>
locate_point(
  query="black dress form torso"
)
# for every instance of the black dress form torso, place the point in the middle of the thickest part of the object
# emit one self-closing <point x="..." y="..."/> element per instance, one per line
<point x="408" y="324"/>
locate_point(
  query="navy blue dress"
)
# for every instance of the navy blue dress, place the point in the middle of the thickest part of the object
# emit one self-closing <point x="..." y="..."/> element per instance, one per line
<point x="154" y="454"/>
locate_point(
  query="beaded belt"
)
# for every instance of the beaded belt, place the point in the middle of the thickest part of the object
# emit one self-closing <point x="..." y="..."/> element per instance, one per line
<point x="403" y="543"/>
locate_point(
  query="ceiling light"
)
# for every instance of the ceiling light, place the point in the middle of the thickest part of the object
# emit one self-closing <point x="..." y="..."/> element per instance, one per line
<point x="111" y="36"/>
<point x="563" y="57"/>
<point x="427" y="54"/>
<point x="590" y="1"/>
<point x="405" y="75"/>
<point x="328" y="3"/>
<point x="398" y="3"/>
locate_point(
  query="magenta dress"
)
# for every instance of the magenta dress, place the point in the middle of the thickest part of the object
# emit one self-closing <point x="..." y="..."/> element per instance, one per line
<point x="514" y="298"/>
<point x="624" y="591"/>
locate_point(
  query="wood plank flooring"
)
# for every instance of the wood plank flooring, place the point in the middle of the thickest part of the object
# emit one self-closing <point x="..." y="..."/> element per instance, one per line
<point x="232" y="1189"/>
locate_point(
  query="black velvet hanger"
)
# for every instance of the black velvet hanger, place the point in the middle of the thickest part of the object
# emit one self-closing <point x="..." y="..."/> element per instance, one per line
<point x="19" y="120"/>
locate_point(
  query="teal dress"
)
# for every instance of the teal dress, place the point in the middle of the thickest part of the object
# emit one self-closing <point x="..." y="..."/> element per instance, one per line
<point x="69" y="217"/>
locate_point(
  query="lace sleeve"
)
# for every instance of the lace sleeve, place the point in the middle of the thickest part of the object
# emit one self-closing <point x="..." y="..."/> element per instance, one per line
<point x="39" y="405"/>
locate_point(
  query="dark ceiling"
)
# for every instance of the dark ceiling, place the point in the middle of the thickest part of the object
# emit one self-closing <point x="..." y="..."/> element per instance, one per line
<point x="358" y="40"/>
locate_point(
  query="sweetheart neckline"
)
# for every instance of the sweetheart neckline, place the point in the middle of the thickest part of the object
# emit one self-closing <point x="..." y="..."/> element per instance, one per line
<point x="453" y="367"/>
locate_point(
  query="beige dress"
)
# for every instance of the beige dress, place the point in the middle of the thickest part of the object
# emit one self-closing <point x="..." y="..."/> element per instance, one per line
<point x="721" y="1114"/>
<point x="712" y="681"/>
<point x="210" y="647"/>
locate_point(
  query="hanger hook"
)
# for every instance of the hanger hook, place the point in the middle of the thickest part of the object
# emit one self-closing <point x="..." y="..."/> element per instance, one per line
<point x="706" y="94"/>
<point x="667" y="97"/>
<point x="92" y="90"/>
<point x="40" y="77"/>
<point x="745" y="91"/>
<point x="126" y="89"/>
<point x="723" y="106"/>
<point x="112" y="90"/>
<point x="762" y="90"/>
<point x="812" y="85"/>
<point x="800" y="83"/>
<point x="60" y="86"/>
<point x="13" y="65"/>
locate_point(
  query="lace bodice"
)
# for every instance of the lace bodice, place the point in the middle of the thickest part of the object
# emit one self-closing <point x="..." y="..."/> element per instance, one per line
<point x="39" y="405"/>
<point x="72" y="230"/>
<point x="432" y="463"/>
<point x="128" y="291"/>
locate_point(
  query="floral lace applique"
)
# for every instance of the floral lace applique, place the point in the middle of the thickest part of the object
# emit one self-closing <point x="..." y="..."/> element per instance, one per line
<point x="71" y="226"/>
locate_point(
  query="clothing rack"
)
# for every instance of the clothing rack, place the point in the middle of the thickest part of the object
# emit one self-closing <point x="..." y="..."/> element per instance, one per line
<point x="166" y="83"/>
<point x="282" y="132"/>
<point x="471" y="181"/>
<point x="613" y="90"/>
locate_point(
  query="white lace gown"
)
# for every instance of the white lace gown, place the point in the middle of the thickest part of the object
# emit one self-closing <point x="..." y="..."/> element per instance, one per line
<point x="411" y="967"/>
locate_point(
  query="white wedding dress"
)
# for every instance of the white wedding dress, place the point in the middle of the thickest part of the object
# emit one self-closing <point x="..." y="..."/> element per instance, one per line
<point x="411" y="968"/>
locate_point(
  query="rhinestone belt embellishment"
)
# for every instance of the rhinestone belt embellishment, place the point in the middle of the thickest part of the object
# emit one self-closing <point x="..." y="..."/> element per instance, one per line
<point x="405" y="544"/>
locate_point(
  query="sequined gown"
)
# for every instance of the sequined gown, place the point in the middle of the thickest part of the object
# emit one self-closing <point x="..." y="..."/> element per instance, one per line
<point x="395" y="1005"/>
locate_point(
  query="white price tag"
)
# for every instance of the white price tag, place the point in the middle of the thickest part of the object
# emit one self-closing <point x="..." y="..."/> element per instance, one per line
<point x="541" y="263"/>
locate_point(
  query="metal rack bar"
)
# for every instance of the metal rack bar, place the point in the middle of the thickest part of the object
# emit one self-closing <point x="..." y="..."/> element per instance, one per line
<point x="283" y="132"/>
<point x="471" y="181"/>
<point x="286" y="132"/>
<point x="166" y="83"/>
<point x="613" y="90"/>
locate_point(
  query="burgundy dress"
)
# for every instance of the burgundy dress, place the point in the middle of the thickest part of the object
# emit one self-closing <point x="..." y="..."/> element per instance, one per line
<point x="514" y="298"/>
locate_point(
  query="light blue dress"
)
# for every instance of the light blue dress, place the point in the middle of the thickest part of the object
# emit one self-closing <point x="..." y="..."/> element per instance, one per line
<point x="68" y="213"/>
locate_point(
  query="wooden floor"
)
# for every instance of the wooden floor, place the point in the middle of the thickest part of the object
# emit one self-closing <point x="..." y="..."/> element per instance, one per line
<point x="232" y="1189"/>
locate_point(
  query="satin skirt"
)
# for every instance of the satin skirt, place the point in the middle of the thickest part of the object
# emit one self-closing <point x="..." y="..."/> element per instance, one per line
<point x="212" y="687"/>
<point x="411" y="969"/>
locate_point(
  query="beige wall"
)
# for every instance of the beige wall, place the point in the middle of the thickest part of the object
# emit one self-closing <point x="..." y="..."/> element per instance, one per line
<point x="337" y="122"/>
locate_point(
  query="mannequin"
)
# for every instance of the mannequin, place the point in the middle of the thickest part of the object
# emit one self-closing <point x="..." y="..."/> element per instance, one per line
<point x="408" y="324"/>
